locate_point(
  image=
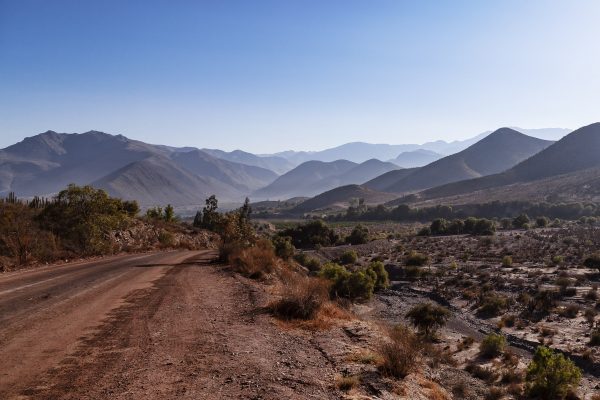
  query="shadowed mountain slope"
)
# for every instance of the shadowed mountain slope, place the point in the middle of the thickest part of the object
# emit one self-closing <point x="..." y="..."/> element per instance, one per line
<point x="578" y="151"/>
<point x="495" y="153"/>
<point x="340" y="197"/>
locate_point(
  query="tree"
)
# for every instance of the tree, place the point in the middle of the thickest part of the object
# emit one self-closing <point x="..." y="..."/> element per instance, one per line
<point x="210" y="216"/>
<point x="428" y="317"/>
<point x="439" y="226"/>
<point x="551" y="375"/>
<point x="169" y="213"/>
<point x="198" y="219"/>
<point x="283" y="247"/>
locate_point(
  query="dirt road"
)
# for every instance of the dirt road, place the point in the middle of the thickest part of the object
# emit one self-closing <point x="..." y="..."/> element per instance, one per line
<point x="153" y="326"/>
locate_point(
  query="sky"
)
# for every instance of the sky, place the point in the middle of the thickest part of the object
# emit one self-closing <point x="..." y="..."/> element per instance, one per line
<point x="266" y="76"/>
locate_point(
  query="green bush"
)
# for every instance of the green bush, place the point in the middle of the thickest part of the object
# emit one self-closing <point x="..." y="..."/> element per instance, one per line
<point x="284" y="248"/>
<point x="595" y="337"/>
<point x="358" y="285"/>
<point x="359" y="235"/>
<point x="542" y="222"/>
<point x="382" y="280"/>
<point x="551" y="375"/>
<point x="428" y="317"/>
<point x="507" y="261"/>
<point x="348" y="257"/>
<point x="492" y="345"/>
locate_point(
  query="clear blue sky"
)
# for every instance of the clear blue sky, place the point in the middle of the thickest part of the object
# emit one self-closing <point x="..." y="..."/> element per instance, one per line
<point x="273" y="75"/>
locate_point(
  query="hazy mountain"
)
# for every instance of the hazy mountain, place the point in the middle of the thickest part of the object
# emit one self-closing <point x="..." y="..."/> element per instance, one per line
<point x="158" y="180"/>
<point x="381" y="182"/>
<point x="314" y="177"/>
<point x="46" y="163"/>
<point x="359" y="151"/>
<point x="280" y="165"/>
<point x="340" y="197"/>
<point x="244" y="178"/>
<point x="416" y="158"/>
<point x="578" y="151"/>
<point x="495" y="153"/>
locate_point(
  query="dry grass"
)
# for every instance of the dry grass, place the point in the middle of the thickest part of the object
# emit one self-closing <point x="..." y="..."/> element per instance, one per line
<point x="303" y="297"/>
<point x="254" y="262"/>
<point x="347" y="383"/>
<point x="400" y="353"/>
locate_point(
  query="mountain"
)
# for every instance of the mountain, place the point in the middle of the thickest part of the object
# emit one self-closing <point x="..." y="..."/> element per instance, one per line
<point x="545" y="133"/>
<point x="280" y="165"/>
<point x="244" y="178"/>
<point x="48" y="162"/>
<point x="495" y="153"/>
<point x="416" y="158"/>
<point x="157" y="181"/>
<point x="341" y="197"/>
<point x="578" y="151"/>
<point x="383" y="181"/>
<point x="314" y="177"/>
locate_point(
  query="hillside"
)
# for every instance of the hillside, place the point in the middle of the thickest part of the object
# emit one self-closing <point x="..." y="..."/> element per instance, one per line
<point x="383" y="181"/>
<point x="577" y="151"/>
<point x="158" y="181"/>
<point x="241" y="176"/>
<point x="314" y="177"/>
<point x="341" y="197"/>
<point x="495" y="153"/>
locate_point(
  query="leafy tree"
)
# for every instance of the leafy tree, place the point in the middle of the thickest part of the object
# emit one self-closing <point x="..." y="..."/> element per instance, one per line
<point x="210" y="215"/>
<point x="439" y="226"/>
<point x="428" y="317"/>
<point x="551" y="375"/>
<point x="82" y="216"/>
<point x="169" y="215"/>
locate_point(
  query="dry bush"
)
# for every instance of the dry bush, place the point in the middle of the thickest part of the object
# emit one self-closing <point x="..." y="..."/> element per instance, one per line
<point x="347" y="383"/>
<point x="400" y="353"/>
<point x="256" y="261"/>
<point x="303" y="297"/>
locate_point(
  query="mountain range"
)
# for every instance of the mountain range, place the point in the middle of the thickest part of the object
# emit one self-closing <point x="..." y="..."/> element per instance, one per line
<point x="487" y="165"/>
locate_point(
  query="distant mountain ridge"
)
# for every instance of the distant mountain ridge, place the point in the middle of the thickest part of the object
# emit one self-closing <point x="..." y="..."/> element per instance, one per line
<point x="495" y="153"/>
<point x="314" y="177"/>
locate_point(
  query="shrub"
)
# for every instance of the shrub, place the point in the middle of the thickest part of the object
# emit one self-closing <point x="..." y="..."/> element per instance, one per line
<point x="592" y="261"/>
<point x="348" y="257"/>
<point x="302" y="299"/>
<point x="492" y="345"/>
<point x="416" y="259"/>
<point x="311" y="263"/>
<point x="283" y="247"/>
<point x="507" y="261"/>
<point x="359" y="235"/>
<point x="551" y="375"/>
<point x="352" y="285"/>
<point x="400" y="353"/>
<point x="428" y="317"/>
<point x="312" y="234"/>
<point x="521" y="221"/>
<point x="166" y="239"/>
<point x="255" y="261"/>
<point x="382" y="280"/>
<point x="347" y="383"/>
<point x="439" y="227"/>
<point x="492" y="305"/>
<point x="542" y="222"/>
